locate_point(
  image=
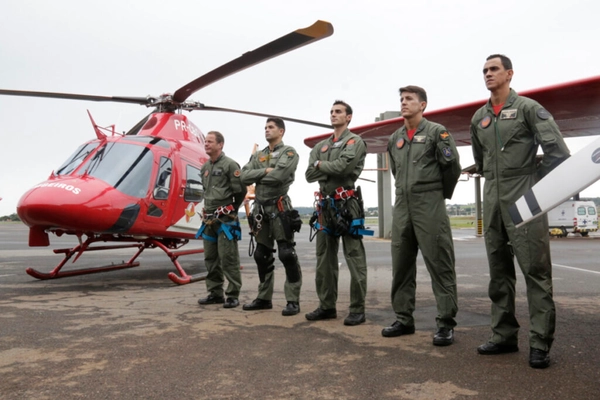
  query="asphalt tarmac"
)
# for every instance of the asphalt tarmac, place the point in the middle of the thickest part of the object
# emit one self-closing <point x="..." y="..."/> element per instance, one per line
<point x="133" y="334"/>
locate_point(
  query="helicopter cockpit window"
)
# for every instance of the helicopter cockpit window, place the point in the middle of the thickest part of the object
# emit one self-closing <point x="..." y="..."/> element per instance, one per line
<point x="77" y="158"/>
<point x="163" y="179"/>
<point x="125" y="166"/>
<point x="194" y="191"/>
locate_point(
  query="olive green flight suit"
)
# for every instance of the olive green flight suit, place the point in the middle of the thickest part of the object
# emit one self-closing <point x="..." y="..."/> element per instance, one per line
<point x="426" y="169"/>
<point x="269" y="188"/>
<point x="222" y="187"/>
<point x="504" y="148"/>
<point x="342" y="161"/>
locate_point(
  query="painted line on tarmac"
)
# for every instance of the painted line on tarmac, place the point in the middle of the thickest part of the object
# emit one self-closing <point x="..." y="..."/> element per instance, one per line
<point x="464" y="238"/>
<point x="576" y="269"/>
<point x="2" y="276"/>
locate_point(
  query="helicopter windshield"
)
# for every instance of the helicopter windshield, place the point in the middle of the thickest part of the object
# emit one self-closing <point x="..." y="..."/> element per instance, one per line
<point x="76" y="158"/>
<point x="125" y="166"/>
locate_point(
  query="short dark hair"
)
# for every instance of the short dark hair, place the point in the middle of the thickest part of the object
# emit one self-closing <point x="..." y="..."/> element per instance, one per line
<point x="419" y="91"/>
<point x="348" y="108"/>
<point x="277" y="121"/>
<point x="506" y="63"/>
<point x="218" y="136"/>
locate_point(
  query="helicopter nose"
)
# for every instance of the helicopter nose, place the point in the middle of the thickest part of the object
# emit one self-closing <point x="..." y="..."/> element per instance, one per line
<point x="76" y="204"/>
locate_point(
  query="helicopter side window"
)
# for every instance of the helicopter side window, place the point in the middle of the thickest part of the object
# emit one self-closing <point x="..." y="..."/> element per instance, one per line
<point x="77" y="158"/>
<point x="163" y="179"/>
<point x="194" y="191"/>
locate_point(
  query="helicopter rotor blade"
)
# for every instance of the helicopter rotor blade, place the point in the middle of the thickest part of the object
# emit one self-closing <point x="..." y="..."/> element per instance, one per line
<point x="300" y="121"/>
<point x="301" y="37"/>
<point x="72" y="96"/>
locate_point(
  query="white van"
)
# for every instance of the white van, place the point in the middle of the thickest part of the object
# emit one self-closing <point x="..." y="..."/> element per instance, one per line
<point x="574" y="216"/>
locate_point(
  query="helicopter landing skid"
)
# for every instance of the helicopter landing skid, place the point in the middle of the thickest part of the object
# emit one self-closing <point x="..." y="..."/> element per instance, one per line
<point x="181" y="278"/>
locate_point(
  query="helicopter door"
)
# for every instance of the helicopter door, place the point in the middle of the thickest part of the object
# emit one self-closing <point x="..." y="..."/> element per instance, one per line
<point x="189" y="201"/>
<point x="163" y="180"/>
<point x="159" y="200"/>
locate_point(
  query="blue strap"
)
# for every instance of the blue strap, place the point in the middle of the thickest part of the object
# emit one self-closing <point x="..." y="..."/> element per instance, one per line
<point x="204" y="235"/>
<point x="236" y="228"/>
<point x="224" y="228"/>
<point x="332" y="204"/>
<point x="201" y="230"/>
<point x="209" y="238"/>
<point x="318" y="227"/>
<point x="357" y="227"/>
<point x="228" y="227"/>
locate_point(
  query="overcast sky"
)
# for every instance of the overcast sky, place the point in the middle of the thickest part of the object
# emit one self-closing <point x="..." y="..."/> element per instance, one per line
<point x="139" y="48"/>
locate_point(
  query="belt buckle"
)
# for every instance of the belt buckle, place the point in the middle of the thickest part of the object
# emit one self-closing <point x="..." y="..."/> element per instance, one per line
<point x="222" y="210"/>
<point x="342" y="193"/>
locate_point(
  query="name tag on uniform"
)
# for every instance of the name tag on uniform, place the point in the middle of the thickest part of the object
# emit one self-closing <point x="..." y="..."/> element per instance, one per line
<point x="275" y="154"/>
<point x="337" y="144"/>
<point x="508" y="114"/>
<point x="419" y="139"/>
<point x="217" y="172"/>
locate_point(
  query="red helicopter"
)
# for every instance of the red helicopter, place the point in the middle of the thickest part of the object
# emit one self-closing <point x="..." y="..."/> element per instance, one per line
<point x="141" y="189"/>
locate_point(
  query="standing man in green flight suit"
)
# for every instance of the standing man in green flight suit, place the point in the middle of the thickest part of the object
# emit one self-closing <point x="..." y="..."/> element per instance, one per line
<point x="505" y="136"/>
<point x="425" y="163"/>
<point x="273" y="218"/>
<point x="336" y="164"/>
<point x="223" y="195"/>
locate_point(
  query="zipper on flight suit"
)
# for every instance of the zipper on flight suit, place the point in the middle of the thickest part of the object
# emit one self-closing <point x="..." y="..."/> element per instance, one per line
<point x="407" y="166"/>
<point x="209" y="174"/>
<point x="499" y="142"/>
<point x="498" y="133"/>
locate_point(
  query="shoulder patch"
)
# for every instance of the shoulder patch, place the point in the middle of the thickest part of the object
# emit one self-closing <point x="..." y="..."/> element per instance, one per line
<point x="485" y="122"/>
<point x="351" y="141"/>
<point x="444" y="135"/>
<point x="206" y="173"/>
<point x="400" y="143"/>
<point x="290" y="153"/>
<point x="447" y="151"/>
<point x="236" y="173"/>
<point x="324" y="148"/>
<point x="542" y="113"/>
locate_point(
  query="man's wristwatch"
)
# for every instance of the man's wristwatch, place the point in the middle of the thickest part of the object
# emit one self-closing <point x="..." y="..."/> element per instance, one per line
<point x="316" y="164"/>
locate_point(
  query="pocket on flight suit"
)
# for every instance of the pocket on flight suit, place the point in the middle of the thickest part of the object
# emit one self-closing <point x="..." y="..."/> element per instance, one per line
<point x="399" y="197"/>
<point x="532" y="244"/>
<point x="443" y="243"/>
